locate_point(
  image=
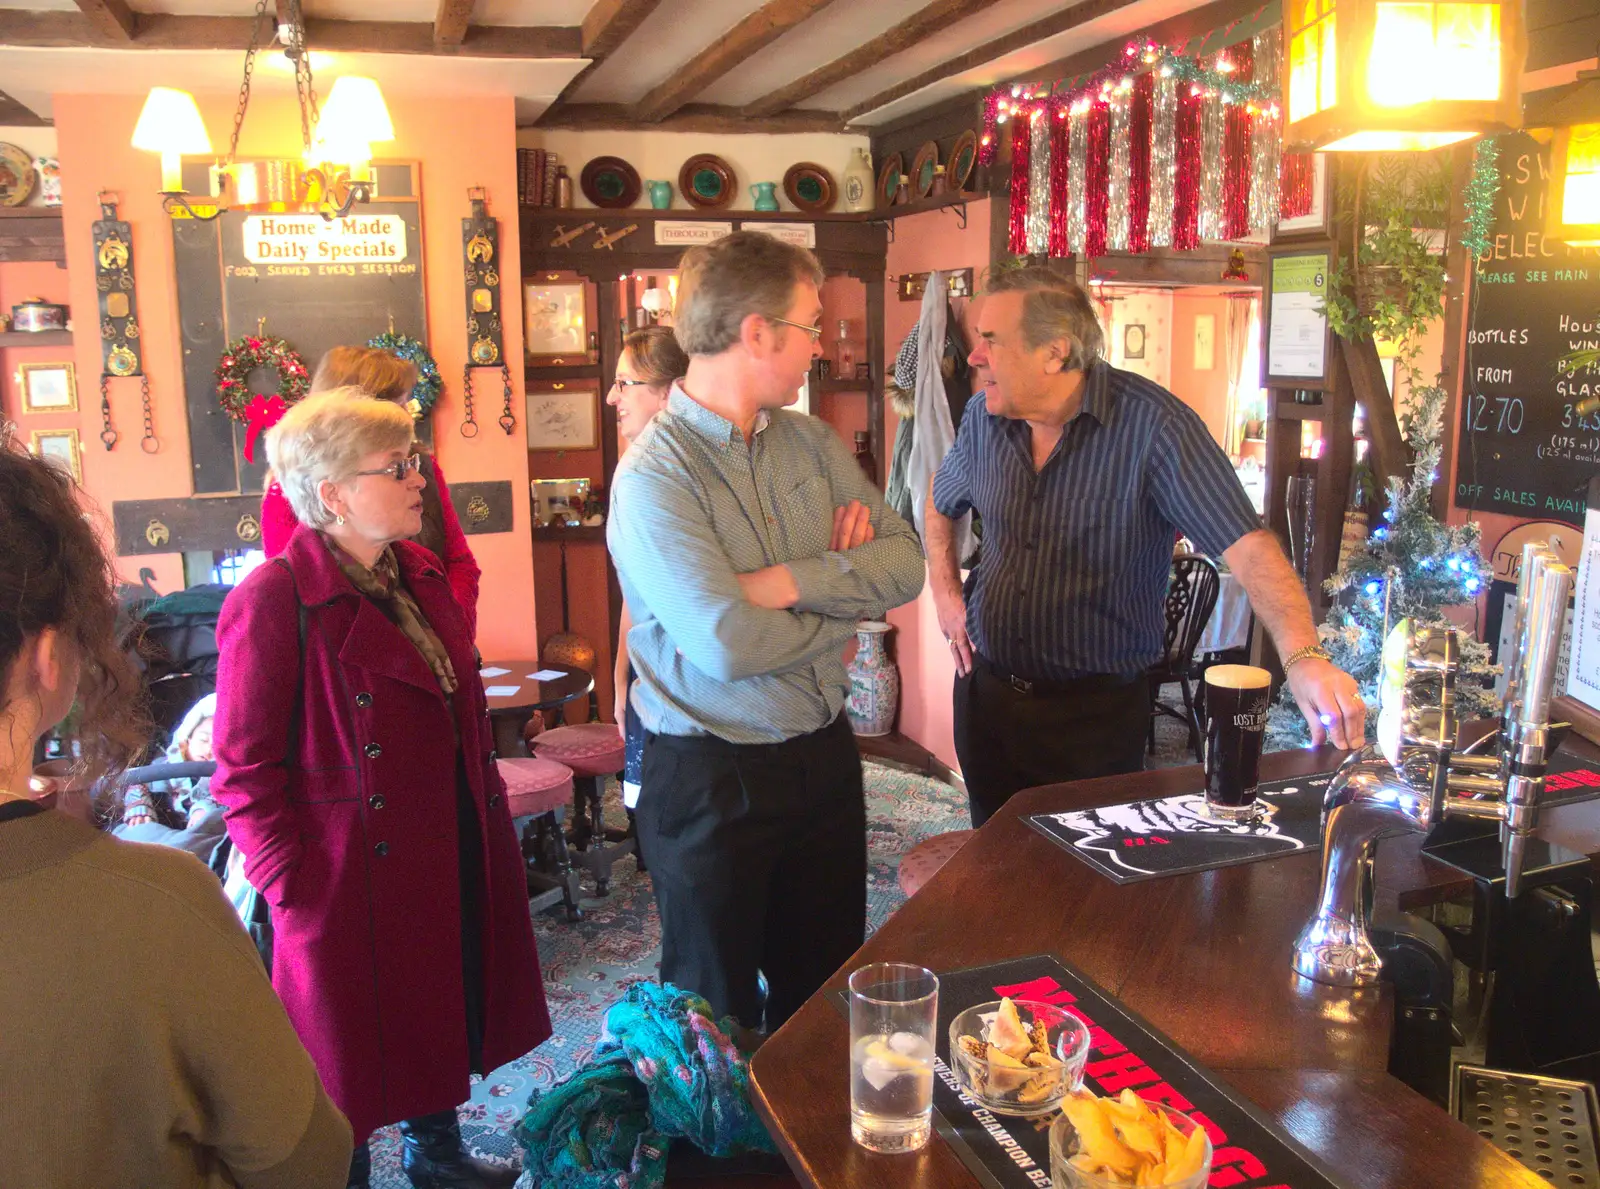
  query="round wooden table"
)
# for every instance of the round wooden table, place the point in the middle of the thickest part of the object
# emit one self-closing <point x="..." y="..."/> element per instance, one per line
<point x="510" y="712"/>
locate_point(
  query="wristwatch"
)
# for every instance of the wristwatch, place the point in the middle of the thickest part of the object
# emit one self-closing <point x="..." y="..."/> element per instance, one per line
<point x="1300" y="654"/>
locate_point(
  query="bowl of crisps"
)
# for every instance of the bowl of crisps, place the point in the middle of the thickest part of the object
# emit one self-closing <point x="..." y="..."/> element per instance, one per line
<point x="1017" y="1057"/>
<point x="1112" y="1143"/>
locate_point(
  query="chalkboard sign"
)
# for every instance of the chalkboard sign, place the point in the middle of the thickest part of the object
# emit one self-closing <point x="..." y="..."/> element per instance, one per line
<point x="316" y="284"/>
<point x="1523" y="449"/>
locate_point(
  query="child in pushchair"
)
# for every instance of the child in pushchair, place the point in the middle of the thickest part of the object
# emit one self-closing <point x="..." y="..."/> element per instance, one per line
<point x="178" y="812"/>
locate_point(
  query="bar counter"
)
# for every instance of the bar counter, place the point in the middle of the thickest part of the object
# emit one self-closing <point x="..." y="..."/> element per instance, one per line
<point x="1204" y="958"/>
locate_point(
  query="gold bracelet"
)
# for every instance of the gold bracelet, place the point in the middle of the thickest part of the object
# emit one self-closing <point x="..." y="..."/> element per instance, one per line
<point x="1300" y="654"/>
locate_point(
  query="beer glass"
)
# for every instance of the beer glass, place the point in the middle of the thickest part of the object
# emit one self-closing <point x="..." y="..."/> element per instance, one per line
<point x="893" y="1007"/>
<point x="1237" y="697"/>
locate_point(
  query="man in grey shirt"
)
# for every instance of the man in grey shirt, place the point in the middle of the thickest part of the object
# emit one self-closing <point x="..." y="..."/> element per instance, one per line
<point x="749" y="543"/>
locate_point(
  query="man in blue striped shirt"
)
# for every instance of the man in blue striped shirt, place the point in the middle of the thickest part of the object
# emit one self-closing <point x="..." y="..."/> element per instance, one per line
<point x="748" y="543"/>
<point x="1082" y="475"/>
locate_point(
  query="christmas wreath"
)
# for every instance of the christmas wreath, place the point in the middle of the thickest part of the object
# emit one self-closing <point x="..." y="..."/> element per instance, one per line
<point x="426" y="394"/>
<point x="259" y="411"/>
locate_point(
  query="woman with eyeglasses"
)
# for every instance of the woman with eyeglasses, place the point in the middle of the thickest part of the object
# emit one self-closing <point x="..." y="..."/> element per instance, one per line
<point x="354" y="761"/>
<point x="651" y="360"/>
<point x="383" y="376"/>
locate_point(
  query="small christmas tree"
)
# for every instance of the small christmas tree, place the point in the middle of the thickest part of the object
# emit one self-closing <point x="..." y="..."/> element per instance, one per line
<point x="1421" y="567"/>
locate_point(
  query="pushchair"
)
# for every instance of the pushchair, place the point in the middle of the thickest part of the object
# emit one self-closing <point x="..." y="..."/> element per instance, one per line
<point x="175" y="642"/>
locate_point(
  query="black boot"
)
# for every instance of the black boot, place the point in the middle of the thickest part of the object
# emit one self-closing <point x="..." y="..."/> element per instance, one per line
<point x="360" y="1167"/>
<point x="434" y="1158"/>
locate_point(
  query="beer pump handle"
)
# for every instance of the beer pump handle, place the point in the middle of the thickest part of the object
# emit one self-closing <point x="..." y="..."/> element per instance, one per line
<point x="1528" y="743"/>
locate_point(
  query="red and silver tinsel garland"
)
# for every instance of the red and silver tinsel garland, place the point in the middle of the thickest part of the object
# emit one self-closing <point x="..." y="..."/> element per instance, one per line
<point x="1119" y="171"/>
<point x="1297" y="175"/>
<point x="1017" y="228"/>
<point x="1236" y="152"/>
<point x="1266" y="134"/>
<point x="1039" y="183"/>
<point x="1139" y="164"/>
<point x="1187" y="139"/>
<point x="1060" y="159"/>
<point x="1164" y="150"/>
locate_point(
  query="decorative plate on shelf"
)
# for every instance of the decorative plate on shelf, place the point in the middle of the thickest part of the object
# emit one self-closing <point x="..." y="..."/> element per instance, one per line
<point x="707" y="181"/>
<point x="16" y="175"/>
<point x="810" y="187"/>
<point x="963" y="156"/>
<point x="610" y="182"/>
<point x="889" y="179"/>
<point x="922" y="169"/>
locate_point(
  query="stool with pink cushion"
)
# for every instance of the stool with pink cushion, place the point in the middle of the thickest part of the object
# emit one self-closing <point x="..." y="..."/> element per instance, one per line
<point x="594" y="751"/>
<point x="537" y="790"/>
<point x="922" y="862"/>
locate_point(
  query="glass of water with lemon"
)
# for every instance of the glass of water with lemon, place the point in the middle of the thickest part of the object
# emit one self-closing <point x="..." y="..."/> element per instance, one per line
<point x="893" y="1009"/>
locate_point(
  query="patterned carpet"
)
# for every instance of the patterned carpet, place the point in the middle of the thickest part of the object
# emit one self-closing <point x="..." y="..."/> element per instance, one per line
<point x="588" y="965"/>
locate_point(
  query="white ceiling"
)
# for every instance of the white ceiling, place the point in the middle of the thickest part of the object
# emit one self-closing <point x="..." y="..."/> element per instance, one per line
<point x="31" y="76"/>
<point x="671" y="36"/>
<point x="484" y="12"/>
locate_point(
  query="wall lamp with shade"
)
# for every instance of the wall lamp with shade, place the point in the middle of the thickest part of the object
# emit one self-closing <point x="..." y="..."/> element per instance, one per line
<point x="335" y="172"/>
<point x="1388" y="75"/>
<point x="1573" y="210"/>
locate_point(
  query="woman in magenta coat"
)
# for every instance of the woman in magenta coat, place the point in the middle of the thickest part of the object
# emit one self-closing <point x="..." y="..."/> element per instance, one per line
<point x="355" y="763"/>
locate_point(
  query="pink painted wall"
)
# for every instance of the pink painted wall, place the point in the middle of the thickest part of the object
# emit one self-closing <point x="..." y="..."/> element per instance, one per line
<point x="93" y="137"/>
<point x="1204" y="391"/>
<point x="923" y="242"/>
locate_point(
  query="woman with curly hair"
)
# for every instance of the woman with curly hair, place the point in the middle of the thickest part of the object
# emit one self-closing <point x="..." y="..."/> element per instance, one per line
<point x="197" y="1078"/>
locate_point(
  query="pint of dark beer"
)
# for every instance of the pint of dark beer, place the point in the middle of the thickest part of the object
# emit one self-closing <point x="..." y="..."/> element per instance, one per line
<point x="1236" y="717"/>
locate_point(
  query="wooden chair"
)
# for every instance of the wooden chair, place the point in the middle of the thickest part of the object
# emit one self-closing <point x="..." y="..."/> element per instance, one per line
<point x="1191" y="598"/>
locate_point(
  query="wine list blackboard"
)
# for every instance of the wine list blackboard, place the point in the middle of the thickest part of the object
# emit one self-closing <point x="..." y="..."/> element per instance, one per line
<point x="1523" y="449"/>
<point x="316" y="284"/>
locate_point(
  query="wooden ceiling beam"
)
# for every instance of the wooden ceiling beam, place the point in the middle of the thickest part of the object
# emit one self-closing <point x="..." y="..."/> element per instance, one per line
<point x="113" y="18"/>
<point x="691" y="117"/>
<point x="610" y="23"/>
<point x="451" y="21"/>
<point x="164" y="31"/>
<point x="1056" y="23"/>
<point x="756" y="31"/>
<point x="918" y="27"/>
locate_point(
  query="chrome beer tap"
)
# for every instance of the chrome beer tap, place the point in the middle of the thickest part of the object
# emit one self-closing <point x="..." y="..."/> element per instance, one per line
<point x="1411" y="779"/>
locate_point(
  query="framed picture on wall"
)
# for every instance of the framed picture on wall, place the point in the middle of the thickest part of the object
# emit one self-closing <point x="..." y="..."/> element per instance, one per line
<point x="556" y="322"/>
<point x="48" y="388"/>
<point x="1205" y="342"/>
<point x="1133" y="340"/>
<point x="1314" y="221"/>
<point x="563" y="416"/>
<point x="59" y="446"/>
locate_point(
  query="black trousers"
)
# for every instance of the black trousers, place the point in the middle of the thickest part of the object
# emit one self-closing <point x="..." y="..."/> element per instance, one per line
<point x="1008" y="740"/>
<point x="758" y="854"/>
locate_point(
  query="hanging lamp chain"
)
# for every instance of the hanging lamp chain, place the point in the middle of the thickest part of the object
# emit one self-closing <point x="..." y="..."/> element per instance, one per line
<point x="293" y="35"/>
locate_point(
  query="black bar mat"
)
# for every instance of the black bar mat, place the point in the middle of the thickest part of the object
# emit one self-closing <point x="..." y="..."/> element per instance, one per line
<point x="1168" y="836"/>
<point x="1002" y="1152"/>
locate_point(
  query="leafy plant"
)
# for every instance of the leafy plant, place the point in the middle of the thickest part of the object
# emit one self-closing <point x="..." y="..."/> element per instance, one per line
<point x="1393" y="287"/>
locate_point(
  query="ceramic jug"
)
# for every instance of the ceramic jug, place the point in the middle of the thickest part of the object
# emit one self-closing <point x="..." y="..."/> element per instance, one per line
<point x="859" y="182"/>
<point x="762" y="192"/>
<point x="660" y="194"/>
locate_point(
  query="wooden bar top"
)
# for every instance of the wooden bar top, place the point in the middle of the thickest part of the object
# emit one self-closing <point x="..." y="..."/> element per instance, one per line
<point x="1203" y="958"/>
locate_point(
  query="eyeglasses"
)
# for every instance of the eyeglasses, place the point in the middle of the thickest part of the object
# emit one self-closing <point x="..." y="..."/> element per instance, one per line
<point x="619" y="382"/>
<point x="814" y="331"/>
<point x="398" y="470"/>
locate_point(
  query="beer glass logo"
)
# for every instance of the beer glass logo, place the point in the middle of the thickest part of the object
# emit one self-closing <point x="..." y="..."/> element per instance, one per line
<point x="1252" y="717"/>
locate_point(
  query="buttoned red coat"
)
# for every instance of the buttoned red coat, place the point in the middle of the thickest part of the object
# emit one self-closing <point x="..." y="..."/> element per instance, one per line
<point x="336" y="764"/>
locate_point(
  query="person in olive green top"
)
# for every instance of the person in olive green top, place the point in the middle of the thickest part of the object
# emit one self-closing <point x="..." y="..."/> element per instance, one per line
<point x="141" y="1042"/>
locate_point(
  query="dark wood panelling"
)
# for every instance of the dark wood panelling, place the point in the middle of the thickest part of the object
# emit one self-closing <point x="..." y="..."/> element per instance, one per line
<point x="483" y="507"/>
<point x="32" y="233"/>
<point x="185" y="525"/>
